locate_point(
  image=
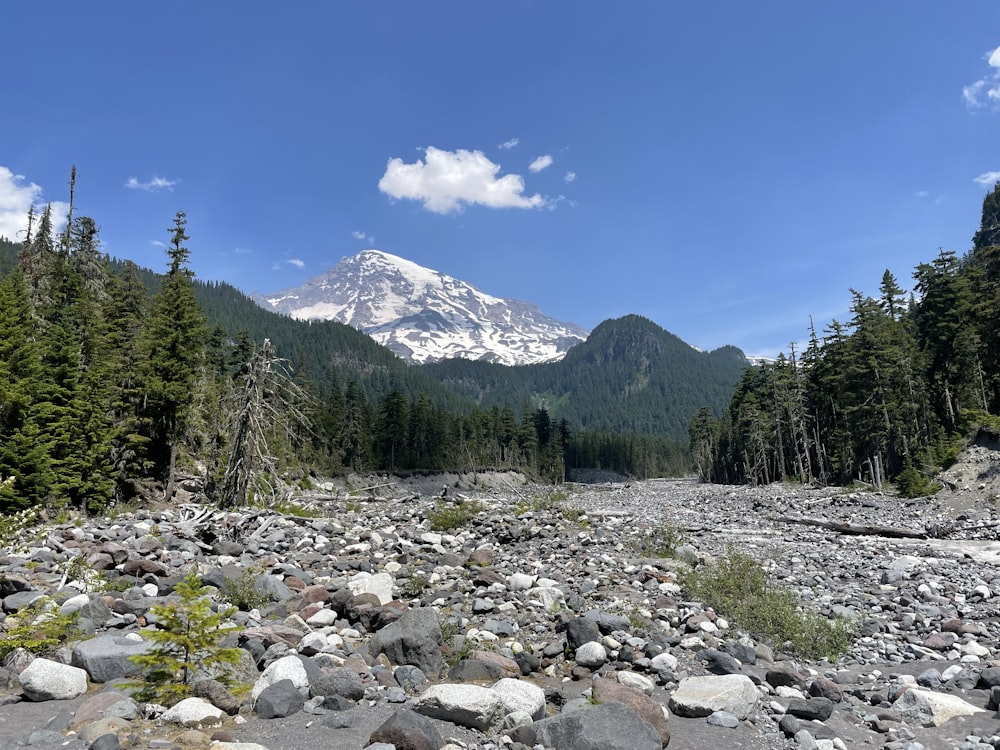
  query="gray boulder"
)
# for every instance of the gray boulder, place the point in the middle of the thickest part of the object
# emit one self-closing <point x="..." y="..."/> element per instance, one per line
<point x="582" y="630"/>
<point x="407" y="730"/>
<point x="607" y="726"/>
<point x="415" y="639"/>
<point x="279" y="700"/>
<point x="340" y="681"/>
<point x="107" y="658"/>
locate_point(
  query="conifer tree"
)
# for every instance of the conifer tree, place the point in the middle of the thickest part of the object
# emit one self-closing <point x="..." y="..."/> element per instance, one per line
<point x="173" y="346"/>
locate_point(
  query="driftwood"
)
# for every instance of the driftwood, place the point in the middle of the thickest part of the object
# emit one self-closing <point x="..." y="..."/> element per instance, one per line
<point x="852" y="529"/>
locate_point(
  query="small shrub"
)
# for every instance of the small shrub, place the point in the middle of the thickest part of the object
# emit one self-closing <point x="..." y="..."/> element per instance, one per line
<point x="448" y="517"/>
<point x="39" y="628"/>
<point x="415" y="586"/>
<point x="289" y="508"/>
<point x="12" y="525"/>
<point x="352" y="506"/>
<point x="242" y="592"/>
<point x="911" y="483"/>
<point x="661" y="540"/>
<point x="737" y="586"/>
<point x="188" y="638"/>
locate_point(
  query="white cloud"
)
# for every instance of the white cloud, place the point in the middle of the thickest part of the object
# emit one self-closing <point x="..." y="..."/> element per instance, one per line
<point x="508" y="145"/>
<point x="157" y="183"/>
<point x="297" y="263"/>
<point x="922" y="193"/>
<point x="569" y="177"/>
<point x="540" y="163"/>
<point x="448" y="180"/>
<point x="987" y="179"/>
<point x="16" y="197"/>
<point x="360" y="234"/>
<point x="986" y="91"/>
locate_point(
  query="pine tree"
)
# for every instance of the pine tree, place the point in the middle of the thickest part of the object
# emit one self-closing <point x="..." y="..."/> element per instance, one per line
<point x="173" y="346"/>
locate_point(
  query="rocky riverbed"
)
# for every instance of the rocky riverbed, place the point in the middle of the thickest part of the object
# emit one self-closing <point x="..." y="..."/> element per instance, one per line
<point x="539" y="620"/>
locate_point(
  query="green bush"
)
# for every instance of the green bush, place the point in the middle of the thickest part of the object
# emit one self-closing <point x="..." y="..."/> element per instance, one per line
<point x="737" y="587"/>
<point x="448" y="517"/>
<point x="187" y="639"/>
<point x="661" y="540"/>
<point x="242" y="592"/>
<point x="911" y="483"/>
<point x="39" y="628"/>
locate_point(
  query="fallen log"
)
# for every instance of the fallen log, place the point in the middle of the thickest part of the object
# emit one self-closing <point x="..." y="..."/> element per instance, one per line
<point x="853" y="529"/>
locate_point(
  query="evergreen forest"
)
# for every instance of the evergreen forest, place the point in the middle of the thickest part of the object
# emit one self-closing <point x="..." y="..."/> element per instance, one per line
<point x="891" y="394"/>
<point x="115" y="381"/>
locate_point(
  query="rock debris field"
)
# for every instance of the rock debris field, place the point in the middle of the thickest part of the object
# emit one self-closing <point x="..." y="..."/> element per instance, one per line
<point x="536" y="621"/>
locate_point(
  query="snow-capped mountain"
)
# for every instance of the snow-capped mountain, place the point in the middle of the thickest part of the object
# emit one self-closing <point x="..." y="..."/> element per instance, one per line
<point x="424" y="315"/>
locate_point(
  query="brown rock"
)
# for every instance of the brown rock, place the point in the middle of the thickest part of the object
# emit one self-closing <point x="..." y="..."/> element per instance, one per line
<point x="612" y="691"/>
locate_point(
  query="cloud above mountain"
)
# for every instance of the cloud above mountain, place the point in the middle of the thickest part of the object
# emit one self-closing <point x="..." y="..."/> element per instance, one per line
<point x="447" y="181"/>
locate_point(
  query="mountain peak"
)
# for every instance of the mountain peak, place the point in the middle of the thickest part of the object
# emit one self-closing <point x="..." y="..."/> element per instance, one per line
<point x="424" y="315"/>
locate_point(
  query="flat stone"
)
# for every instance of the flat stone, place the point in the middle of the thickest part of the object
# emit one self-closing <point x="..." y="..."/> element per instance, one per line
<point x="702" y="696"/>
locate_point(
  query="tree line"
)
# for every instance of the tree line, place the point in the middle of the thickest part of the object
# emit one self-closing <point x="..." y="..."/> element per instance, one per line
<point x="112" y="387"/>
<point x="889" y="395"/>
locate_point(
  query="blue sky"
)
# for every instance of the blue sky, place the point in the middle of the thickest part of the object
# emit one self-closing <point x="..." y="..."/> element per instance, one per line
<point x="727" y="169"/>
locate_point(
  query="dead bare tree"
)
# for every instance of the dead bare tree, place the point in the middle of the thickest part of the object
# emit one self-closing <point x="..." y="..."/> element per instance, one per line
<point x="269" y="400"/>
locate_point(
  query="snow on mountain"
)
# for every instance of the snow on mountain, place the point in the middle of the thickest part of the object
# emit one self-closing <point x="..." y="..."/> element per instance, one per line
<point x="424" y="315"/>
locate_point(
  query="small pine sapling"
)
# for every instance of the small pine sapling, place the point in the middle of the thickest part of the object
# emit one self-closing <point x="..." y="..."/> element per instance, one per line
<point x="188" y="639"/>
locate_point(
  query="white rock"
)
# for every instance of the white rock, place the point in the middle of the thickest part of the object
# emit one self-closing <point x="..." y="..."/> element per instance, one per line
<point x="470" y="706"/>
<point x="636" y="681"/>
<point x="974" y="648"/>
<point x="520" y="582"/>
<point x="591" y="654"/>
<point x="46" y="680"/>
<point x="702" y="696"/>
<point x="193" y="712"/>
<point x="286" y="668"/>
<point x="928" y="708"/>
<point x="379" y="584"/>
<point x="74" y="603"/>
<point x="521" y="696"/>
<point x="322" y="618"/>
<point x="665" y="660"/>
<point x="549" y="598"/>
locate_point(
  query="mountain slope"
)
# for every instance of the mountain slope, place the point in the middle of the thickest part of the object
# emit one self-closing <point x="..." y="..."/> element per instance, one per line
<point x="629" y="376"/>
<point x="424" y="315"/>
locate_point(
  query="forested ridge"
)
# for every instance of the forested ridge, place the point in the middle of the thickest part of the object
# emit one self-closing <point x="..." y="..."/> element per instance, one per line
<point x="115" y="381"/>
<point x="890" y="394"/>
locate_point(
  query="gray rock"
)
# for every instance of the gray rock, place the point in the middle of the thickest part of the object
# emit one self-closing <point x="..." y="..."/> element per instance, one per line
<point x="608" y="726"/>
<point x="718" y="662"/>
<point x="812" y="709"/>
<point x="415" y="639"/>
<point x="723" y="719"/>
<point x="107" y="657"/>
<point x="106" y="742"/>
<point x="279" y="700"/>
<point x="466" y="705"/>
<point x="409" y="677"/>
<point x="46" y="680"/>
<point x="582" y="630"/>
<point x="338" y="681"/>
<point x="407" y="730"/>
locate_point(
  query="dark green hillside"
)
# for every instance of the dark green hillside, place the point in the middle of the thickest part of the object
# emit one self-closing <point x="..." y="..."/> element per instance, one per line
<point x="630" y="376"/>
<point x="321" y="347"/>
